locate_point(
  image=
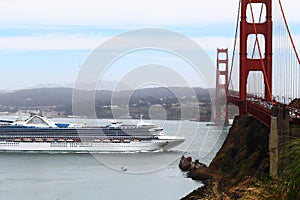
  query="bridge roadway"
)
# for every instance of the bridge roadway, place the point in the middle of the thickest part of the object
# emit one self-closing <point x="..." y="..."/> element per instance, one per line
<point x="262" y="109"/>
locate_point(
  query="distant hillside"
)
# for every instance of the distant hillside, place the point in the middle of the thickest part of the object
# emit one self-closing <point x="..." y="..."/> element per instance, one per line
<point x="37" y="97"/>
<point x="103" y="85"/>
<point x="63" y="96"/>
<point x="58" y="101"/>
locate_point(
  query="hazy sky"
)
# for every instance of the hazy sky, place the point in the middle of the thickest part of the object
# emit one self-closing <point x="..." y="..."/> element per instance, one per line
<point x="45" y="42"/>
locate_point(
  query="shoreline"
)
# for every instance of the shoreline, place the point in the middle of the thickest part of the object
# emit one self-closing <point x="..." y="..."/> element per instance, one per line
<point x="239" y="166"/>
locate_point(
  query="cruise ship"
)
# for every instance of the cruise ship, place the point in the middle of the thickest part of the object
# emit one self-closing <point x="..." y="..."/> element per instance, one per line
<point x="40" y="134"/>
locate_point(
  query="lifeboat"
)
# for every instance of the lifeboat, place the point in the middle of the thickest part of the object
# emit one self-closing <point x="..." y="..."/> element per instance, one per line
<point x="126" y="140"/>
<point x="106" y="141"/>
<point x="50" y="140"/>
<point x="61" y="140"/>
<point x="17" y="140"/>
<point x="38" y="139"/>
<point x="116" y="140"/>
<point x="70" y="140"/>
<point x="27" y="140"/>
<point x="96" y="140"/>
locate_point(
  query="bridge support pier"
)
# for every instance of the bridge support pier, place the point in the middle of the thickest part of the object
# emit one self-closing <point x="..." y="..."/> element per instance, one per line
<point x="279" y="132"/>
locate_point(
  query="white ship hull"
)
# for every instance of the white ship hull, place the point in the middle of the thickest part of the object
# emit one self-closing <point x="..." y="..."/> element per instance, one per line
<point x="39" y="134"/>
<point x="151" y="145"/>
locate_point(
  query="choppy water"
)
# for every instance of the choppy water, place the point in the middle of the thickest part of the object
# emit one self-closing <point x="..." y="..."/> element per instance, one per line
<point x="150" y="175"/>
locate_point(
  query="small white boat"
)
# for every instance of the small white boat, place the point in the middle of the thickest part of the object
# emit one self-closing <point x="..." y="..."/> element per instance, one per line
<point x="124" y="168"/>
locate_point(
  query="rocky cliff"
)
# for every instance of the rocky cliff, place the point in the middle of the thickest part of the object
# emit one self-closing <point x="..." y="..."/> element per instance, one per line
<point x="241" y="161"/>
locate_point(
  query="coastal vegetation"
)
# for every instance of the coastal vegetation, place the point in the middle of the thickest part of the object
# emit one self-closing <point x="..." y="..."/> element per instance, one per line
<point x="240" y="170"/>
<point x="289" y="183"/>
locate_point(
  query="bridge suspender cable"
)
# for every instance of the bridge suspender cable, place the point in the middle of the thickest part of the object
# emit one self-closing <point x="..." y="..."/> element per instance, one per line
<point x="260" y="54"/>
<point x="288" y="30"/>
<point x="234" y="45"/>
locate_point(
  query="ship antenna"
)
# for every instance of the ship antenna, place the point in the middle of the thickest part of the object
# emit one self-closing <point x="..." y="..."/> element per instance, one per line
<point x="141" y="117"/>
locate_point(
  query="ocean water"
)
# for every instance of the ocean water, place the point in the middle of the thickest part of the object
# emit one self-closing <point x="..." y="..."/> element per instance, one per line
<point x="149" y="175"/>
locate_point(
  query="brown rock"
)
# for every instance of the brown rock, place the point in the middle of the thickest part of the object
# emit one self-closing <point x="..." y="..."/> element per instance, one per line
<point x="200" y="174"/>
<point x="185" y="163"/>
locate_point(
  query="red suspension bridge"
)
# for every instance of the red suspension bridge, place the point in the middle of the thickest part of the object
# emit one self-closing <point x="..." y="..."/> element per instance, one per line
<point x="267" y="73"/>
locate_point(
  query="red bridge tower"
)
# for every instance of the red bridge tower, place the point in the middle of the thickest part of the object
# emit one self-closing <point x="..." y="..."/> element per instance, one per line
<point x="221" y="105"/>
<point x="264" y="62"/>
